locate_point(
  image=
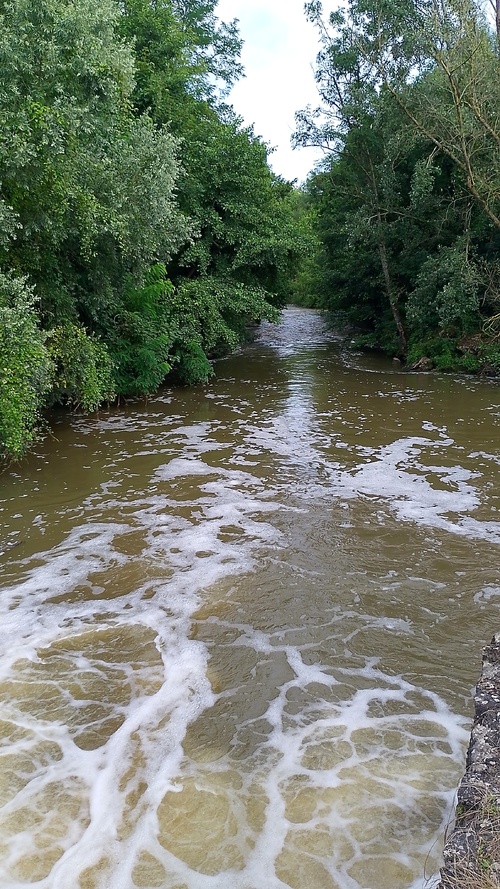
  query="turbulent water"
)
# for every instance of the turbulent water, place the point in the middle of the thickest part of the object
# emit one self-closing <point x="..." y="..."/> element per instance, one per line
<point x="240" y="625"/>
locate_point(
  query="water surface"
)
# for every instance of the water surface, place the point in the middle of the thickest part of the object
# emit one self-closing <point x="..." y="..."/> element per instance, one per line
<point x="241" y="624"/>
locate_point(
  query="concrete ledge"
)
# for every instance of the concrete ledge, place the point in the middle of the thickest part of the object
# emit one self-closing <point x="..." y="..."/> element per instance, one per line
<point x="472" y="851"/>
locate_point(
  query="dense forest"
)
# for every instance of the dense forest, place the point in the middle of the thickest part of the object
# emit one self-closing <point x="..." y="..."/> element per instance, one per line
<point x="406" y="207"/>
<point x="142" y="229"/>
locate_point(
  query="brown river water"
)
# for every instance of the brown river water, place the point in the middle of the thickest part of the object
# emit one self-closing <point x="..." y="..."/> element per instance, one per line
<point x="241" y="623"/>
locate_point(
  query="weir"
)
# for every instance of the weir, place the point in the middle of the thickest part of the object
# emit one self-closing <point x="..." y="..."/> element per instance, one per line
<point x="472" y="852"/>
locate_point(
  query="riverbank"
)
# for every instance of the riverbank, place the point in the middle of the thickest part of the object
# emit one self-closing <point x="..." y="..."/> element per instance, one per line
<point x="472" y="852"/>
<point x="477" y="353"/>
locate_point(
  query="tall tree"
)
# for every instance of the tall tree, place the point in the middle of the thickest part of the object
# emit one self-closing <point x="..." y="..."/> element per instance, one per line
<point x="409" y="114"/>
<point x="90" y="186"/>
<point x="87" y="189"/>
<point x="345" y="124"/>
<point x="238" y="266"/>
<point x="441" y="63"/>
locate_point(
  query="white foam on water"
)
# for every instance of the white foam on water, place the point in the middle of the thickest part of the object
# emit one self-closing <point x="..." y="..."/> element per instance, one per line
<point x="402" y="475"/>
<point x="330" y="768"/>
<point x="494" y="458"/>
<point x="489" y="592"/>
<point x="60" y="646"/>
<point x="88" y="773"/>
<point x="129" y="759"/>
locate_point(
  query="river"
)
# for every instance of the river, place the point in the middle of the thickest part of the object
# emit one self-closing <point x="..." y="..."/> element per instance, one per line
<point x="241" y="623"/>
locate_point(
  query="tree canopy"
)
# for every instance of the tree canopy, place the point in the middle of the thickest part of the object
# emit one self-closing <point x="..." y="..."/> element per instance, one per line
<point x="141" y="227"/>
<point x="407" y="203"/>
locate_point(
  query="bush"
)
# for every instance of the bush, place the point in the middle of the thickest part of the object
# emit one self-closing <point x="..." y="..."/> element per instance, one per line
<point x="83" y="371"/>
<point x="193" y="365"/>
<point x="25" y="367"/>
<point x="144" y="335"/>
<point x="473" y="354"/>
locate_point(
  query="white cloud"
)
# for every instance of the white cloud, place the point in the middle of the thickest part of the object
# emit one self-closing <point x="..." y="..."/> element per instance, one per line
<point x="278" y="54"/>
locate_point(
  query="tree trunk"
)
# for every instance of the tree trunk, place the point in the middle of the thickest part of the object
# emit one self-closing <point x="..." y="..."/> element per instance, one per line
<point x="384" y="262"/>
<point x="393" y="302"/>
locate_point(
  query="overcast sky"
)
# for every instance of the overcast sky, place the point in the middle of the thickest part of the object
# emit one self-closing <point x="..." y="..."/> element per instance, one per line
<point x="279" y="50"/>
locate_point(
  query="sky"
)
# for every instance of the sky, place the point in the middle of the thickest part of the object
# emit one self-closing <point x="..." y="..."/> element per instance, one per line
<point x="278" y="55"/>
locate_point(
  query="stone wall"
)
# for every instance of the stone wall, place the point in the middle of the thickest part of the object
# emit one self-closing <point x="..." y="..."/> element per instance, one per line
<point x="472" y="850"/>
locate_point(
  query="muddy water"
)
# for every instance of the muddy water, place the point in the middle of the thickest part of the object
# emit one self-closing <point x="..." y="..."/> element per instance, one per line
<point x="240" y="626"/>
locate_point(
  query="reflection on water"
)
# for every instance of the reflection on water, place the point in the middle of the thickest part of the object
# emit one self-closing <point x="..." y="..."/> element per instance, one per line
<point x="241" y="623"/>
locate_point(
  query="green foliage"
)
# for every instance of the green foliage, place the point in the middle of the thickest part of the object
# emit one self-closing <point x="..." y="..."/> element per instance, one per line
<point x="383" y="337"/>
<point x="64" y="78"/>
<point x="489" y="357"/>
<point x="192" y="365"/>
<point x="144" y="334"/>
<point x="216" y="313"/>
<point x="438" y="352"/>
<point x="184" y="56"/>
<point x="240" y="209"/>
<point x="447" y="291"/>
<point x="143" y="265"/>
<point x="89" y="187"/>
<point x="407" y="206"/>
<point x="83" y="371"/>
<point x="472" y="354"/>
<point x="25" y="368"/>
<point x="305" y="278"/>
<point x="246" y="241"/>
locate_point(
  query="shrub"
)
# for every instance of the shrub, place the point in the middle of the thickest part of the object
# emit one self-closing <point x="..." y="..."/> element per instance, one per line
<point x="83" y="371"/>
<point x="25" y="367"/>
<point x="144" y="335"/>
<point x="193" y="365"/>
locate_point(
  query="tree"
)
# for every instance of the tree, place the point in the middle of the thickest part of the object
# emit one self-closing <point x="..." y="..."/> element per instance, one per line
<point x="348" y="124"/>
<point x="184" y="55"/>
<point x="237" y="266"/>
<point x="438" y="60"/>
<point x="139" y="265"/>
<point x="87" y="187"/>
<point x="411" y="121"/>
